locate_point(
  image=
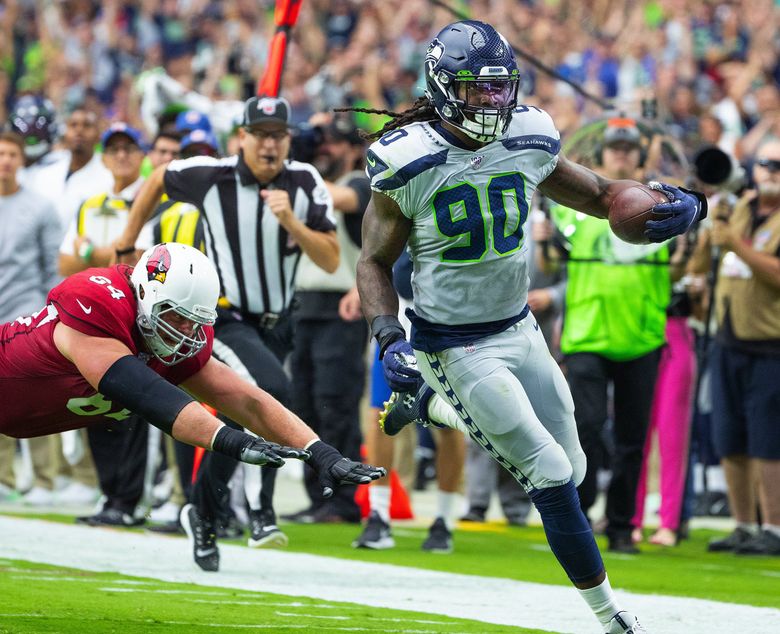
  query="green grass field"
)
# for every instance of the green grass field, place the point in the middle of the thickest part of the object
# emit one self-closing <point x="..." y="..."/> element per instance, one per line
<point x="38" y="598"/>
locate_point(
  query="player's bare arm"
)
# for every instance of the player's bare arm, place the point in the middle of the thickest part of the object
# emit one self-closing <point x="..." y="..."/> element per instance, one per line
<point x="580" y="188"/>
<point x="219" y="386"/>
<point x="254" y="408"/>
<point x="385" y="232"/>
<point x="141" y="210"/>
<point x="93" y="356"/>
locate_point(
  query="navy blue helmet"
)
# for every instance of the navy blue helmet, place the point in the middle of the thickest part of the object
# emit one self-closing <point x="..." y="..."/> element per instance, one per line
<point x="34" y="118"/>
<point x="471" y="77"/>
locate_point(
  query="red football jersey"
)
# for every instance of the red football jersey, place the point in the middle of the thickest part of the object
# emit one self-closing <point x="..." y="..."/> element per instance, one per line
<point x="41" y="392"/>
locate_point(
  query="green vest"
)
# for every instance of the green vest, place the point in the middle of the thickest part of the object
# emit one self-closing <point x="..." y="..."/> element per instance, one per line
<point x="614" y="309"/>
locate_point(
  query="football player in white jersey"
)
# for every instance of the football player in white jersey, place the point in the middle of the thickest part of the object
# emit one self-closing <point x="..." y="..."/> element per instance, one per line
<point x="453" y="178"/>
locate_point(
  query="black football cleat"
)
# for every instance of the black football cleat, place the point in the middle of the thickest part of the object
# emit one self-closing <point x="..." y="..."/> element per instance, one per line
<point x="202" y="534"/>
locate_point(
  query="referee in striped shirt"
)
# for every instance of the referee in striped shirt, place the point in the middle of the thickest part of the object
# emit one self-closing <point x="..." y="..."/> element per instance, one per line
<point x="261" y="211"/>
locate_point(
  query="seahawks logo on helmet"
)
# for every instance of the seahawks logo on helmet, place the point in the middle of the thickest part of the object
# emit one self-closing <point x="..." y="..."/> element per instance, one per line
<point x="472" y="79"/>
<point x="159" y="264"/>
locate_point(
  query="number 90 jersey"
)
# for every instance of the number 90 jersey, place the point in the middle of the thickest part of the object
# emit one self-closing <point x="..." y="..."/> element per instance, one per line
<point x="467" y="208"/>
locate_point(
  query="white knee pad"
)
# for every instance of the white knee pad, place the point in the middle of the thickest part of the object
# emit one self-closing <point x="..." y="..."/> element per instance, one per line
<point x="552" y="467"/>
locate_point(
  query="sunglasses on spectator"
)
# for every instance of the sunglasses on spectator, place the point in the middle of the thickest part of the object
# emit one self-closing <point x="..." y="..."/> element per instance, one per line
<point x="769" y="164"/>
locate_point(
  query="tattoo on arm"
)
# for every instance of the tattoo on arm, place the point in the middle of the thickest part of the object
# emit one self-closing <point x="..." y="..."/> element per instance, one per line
<point x="385" y="231"/>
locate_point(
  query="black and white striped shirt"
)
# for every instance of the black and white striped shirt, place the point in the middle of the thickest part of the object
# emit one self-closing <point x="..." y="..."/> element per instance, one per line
<point x="253" y="253"/>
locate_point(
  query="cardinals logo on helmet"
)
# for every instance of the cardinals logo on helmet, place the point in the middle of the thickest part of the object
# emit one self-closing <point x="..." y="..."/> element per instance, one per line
<point x="158" y="264"/>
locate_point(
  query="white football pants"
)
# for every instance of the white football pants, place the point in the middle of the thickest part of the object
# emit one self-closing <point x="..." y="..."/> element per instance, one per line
<point x="515" y="402"/>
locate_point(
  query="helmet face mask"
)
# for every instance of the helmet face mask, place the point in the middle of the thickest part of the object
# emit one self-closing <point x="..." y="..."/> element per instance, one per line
<point x="169" y="343"/>
<point x="487" y="107"/>
<point x="472" y="79"/>
<point x="177" y="290"/>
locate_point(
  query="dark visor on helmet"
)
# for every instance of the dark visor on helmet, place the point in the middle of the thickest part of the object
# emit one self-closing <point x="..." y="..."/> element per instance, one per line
<point x="493" y="93"/>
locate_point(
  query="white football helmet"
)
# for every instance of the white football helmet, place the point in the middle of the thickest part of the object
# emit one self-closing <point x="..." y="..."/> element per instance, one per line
<point x="174" y="281"/>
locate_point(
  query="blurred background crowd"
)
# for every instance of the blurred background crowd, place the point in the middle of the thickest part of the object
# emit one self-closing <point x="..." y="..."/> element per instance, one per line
<point x="687" y="75"/>
<point x="711" y="67"/>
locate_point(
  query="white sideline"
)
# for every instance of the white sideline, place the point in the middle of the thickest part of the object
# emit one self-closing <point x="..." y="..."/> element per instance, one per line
<point x="488" y="599"/>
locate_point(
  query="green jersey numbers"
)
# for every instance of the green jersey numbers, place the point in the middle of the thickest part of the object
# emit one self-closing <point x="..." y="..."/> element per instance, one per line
<point x="96" y="405"/>
<point x="458" y="212"/>
<point x="476" y="220"/>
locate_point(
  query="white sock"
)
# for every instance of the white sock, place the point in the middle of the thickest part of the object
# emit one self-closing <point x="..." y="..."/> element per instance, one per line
<point x="441" y="412"/>
<point x="602" y="601"/>
<point x="772" y="528"/>
<point x="447" y="505"/>
<point x="379" y="500"/>
<point x="253" y="484"/>
<point x="750" y="527"/>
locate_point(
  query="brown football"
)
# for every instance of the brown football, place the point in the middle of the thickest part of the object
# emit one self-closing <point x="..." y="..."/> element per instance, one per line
<point x="631" y="209"/>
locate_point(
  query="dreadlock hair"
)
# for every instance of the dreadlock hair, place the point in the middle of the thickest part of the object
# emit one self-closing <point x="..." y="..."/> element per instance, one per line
<point x="420" y="110"/>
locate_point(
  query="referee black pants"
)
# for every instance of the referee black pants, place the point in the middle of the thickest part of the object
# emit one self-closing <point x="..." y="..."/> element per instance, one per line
<point x="256" y="355"/>
<point x="328" y="377"/>
<point x="119" y="450"/>
<point x="634" y="386"/>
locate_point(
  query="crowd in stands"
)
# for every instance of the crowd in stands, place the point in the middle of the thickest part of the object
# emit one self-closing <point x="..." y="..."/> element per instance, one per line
<point x="106" y="83"/>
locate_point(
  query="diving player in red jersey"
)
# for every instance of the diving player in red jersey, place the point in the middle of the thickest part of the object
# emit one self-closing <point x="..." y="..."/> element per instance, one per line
<point x="116" y="340"/>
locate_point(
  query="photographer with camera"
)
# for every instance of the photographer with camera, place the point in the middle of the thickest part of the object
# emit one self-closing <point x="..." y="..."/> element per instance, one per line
<point x="745" y="358"/>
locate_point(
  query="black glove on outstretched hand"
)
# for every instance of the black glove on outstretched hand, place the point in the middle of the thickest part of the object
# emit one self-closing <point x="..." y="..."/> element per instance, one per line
<point x="270" y="454"/>
<point x="334" y="469"/>
<point x="252" y="450"/>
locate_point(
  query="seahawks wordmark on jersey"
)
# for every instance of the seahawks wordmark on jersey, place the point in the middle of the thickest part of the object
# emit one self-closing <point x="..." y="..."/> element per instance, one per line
<point x="467" y="208"/>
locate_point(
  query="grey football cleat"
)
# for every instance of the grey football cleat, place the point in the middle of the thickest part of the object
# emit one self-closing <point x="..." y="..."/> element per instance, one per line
<point x="439" y="538"/>
<point x="405" y="408"/>
<point x="376" y="534"/>
<point x="734" y="540"/>
<point x="625" y="623"/>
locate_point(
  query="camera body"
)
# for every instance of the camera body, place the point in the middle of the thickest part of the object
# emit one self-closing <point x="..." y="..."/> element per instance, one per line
<point x="306" y="141"/>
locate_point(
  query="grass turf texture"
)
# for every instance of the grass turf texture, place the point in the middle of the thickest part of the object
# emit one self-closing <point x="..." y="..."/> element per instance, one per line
<point x="495" y="550"/>
<point x="42" y="598"/>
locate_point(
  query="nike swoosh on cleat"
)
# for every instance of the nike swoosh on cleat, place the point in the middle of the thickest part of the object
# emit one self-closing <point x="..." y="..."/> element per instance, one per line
<point x="201" y="552"/>
<point x="84" y="308"/>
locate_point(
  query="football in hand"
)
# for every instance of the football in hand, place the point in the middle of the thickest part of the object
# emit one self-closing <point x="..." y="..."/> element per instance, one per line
<point x="631" y="209"/>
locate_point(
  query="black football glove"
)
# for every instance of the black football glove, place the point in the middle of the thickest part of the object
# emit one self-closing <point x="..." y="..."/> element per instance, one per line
<point x="334" y="469"/>
<point x="254" y="450"/>
<point x="270" y="454"/>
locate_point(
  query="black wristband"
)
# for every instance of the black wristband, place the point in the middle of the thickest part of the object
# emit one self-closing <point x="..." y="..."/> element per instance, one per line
<point x="125" y="251"/>
<point x="702" y="202"/>
<point x="140" y="389"/>
<point x="231" y="442"/>
<point x="323" y="456"/>
<point x="386" y="329"/>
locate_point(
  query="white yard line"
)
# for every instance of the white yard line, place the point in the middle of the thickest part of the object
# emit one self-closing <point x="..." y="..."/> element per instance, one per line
<point x="488" y="599"/>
